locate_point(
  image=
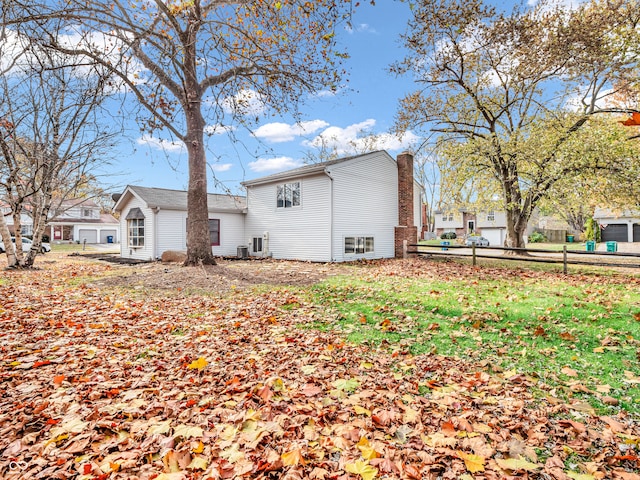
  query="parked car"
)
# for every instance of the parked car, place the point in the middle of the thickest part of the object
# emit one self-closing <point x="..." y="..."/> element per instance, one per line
<point x="477" y="240"/>
<point x="26" y="245"/>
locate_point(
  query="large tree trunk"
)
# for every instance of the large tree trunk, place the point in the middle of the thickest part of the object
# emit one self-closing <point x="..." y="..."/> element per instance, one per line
<point x="516" y="229"/>
<point x="5" y="235"/>
<point x="198" y="240"/>
<point x="40" y="217"/>
<point x="17" y="229"/>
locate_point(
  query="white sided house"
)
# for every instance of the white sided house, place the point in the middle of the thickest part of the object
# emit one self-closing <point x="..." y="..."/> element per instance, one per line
<point x="154" y="220"/>
<point x="360" y="207"/>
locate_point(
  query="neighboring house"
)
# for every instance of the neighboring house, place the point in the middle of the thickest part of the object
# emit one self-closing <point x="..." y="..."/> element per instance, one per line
<point x="74" y="220"/>
<point x="492" y="225"/>
<point x="352" y="208"/>
<point x="80" y="220"/>
<point x="618" y="226"/>
<point x="461" y="222"/>
<point x="154" y="220"/>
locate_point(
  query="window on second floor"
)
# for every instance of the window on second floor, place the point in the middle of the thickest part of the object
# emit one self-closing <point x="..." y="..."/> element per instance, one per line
<point x="288" y="195"/>
<point x="491" y="216"/>
<point x="450" y="217"/>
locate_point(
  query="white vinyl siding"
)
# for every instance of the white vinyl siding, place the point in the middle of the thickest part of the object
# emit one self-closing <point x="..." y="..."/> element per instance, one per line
<point x="300" y="233"/>
<point x="173" y="227"/>
<point x="491" y="219"/>
<point x="365" y="204"/>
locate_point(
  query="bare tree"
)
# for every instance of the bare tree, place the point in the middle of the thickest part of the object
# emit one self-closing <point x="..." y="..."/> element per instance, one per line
<point x="510" y="91"/>
<point x="199" y="61"/>
<point x="50" y="138"/>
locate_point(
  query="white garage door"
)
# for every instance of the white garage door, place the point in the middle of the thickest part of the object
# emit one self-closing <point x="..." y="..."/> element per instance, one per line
<point x="107" y="233"/>
<point x="91" y="236"/>
<point x="494" y="235"/>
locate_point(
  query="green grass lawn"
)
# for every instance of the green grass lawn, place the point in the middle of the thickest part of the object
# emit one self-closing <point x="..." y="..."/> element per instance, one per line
<point x="575" y="336"/>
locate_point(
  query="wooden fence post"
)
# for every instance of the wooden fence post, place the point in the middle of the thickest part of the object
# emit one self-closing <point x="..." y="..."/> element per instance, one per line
<point x="473" y="252"/>
<point x="564" y="259"/>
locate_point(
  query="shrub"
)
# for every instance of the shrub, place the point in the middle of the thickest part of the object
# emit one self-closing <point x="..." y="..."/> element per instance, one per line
<point x="537" y="237"/>
<point x="592" y="230"/>
<point x="448" y="236"/>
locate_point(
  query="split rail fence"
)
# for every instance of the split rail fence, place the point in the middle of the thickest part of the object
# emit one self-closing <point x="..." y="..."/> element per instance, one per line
<point x="565" y="257"/>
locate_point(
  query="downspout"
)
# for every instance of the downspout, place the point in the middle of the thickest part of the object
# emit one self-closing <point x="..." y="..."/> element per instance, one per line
<point x="328" y="174"/>
<point x="155" y="211"/>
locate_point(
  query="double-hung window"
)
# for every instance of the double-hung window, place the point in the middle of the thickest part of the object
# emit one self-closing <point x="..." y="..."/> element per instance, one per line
<point x="288" y="195"/>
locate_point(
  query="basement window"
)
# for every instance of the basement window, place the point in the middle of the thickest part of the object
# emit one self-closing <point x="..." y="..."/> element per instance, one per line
<point x="358" y="245"/>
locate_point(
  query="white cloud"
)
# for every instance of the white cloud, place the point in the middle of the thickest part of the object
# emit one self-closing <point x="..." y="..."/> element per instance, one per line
<point x="161" y="144"/>
<point x="218" y="129"/>
<point x="277" y="132"/>
<point x="245" y="102"/>
<point x="359" y="138"/>
<point x="220" y="167"/>
<point x="274" y="164"/>
<point x="361" y="28"/>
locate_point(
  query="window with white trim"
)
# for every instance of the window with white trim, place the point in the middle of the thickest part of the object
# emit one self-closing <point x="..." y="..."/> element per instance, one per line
<point x="491" y="216"/>
<point x="358" y="245"/>
<point x="288" y="195"/>
<point x="135" y="228"/>
<point x="257" y="244"/>
<point x="136" y="232"/>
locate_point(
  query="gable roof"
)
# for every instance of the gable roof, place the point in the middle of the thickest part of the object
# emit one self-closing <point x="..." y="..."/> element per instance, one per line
<point x="306" y="170"/>
<point x="166" y="199"/>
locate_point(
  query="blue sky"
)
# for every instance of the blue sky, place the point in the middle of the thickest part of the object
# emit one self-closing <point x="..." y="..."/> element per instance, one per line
<point x="367" y="103"/>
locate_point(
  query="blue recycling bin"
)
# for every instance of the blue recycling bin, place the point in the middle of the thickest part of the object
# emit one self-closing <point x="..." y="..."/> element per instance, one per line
<point x="109" y="238"/>
<point x="445" y="244"/>
<point x="612" y="246"/>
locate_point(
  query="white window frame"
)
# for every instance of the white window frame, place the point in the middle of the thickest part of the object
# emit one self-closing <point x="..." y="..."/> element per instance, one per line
<point x="256" y="244"/>
<point x="358" y="245"/>
<point x="134" y="226"/>
<point x="491" y="216"/>
<point x="289" y="195"/>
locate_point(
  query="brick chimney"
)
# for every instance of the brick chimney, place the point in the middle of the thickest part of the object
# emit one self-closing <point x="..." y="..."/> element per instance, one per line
<point x="406" y="229"/>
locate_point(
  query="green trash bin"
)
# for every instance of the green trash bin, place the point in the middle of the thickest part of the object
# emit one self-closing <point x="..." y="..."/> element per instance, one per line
<point x="591" y="246"/>
<point x="612" y="246"/>
<point x="569" y="238"/>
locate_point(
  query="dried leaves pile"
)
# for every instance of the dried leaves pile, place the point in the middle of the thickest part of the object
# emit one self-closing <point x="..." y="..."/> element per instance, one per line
<point x="101" y="383"/>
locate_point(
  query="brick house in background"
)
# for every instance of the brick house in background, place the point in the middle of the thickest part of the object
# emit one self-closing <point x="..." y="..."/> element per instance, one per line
<point x="462" y="222"/>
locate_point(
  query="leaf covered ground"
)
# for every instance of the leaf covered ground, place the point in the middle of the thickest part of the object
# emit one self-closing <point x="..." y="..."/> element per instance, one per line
<point x="106" y="374"/>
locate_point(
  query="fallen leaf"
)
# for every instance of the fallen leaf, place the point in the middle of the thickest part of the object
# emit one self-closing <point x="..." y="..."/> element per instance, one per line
<point x="474" y="463"/>
<point x="515" y="464"/>
<point x="198" y="364"/>
<point x="366" y="471"/>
